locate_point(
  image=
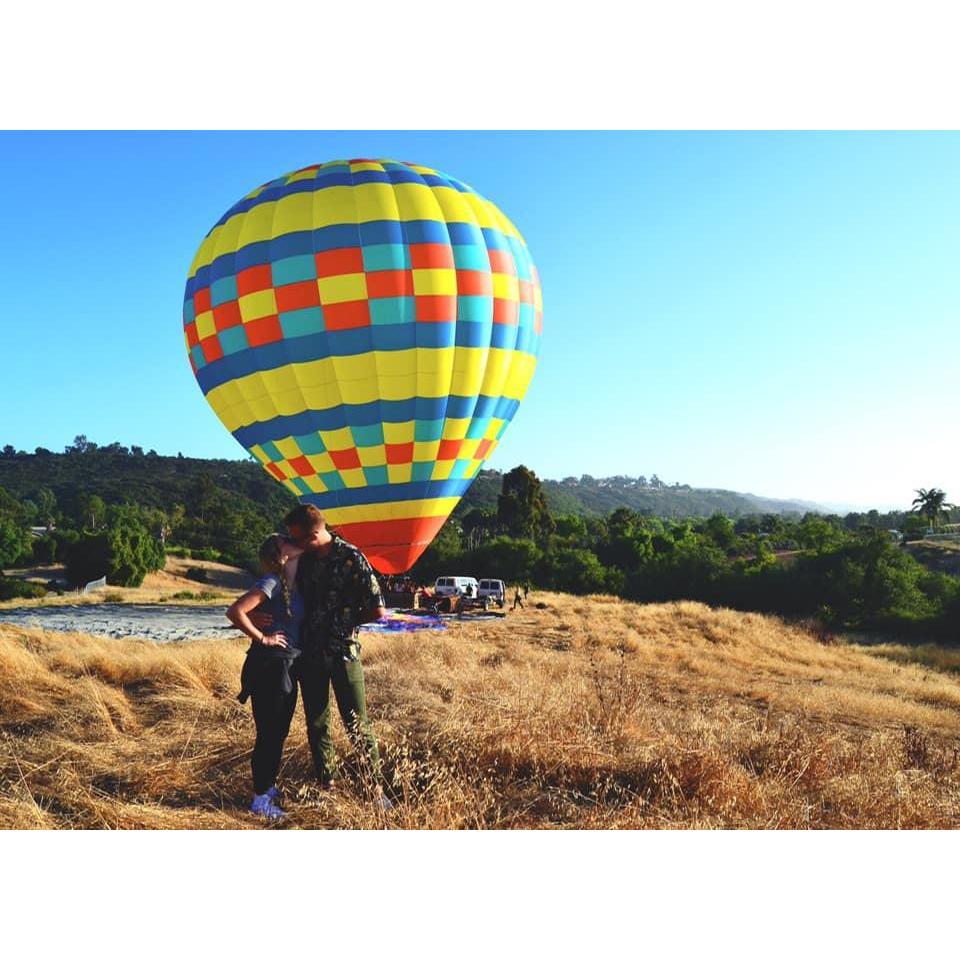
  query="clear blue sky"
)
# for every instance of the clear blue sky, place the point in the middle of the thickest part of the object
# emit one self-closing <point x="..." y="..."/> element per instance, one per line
<point x="775" y="313"/>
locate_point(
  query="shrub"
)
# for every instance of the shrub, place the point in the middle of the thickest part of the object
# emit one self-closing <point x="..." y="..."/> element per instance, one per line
<point x="573" y="571"/>
<point x="189" y="595"/>
<point x="45" y="550"/>
<point x="63" y="539"/>
<point x="88" y="558"/>
<point x="508" y="559"/>
<point x="198" y="574"/>
<point x="867" y="584"/>
<point x="20" y="589"/>
<point x="124" y="553"/>
<point x="15" y="540"/>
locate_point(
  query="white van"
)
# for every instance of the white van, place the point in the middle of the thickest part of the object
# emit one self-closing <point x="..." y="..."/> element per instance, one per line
<point x="495" y="590"/>
<point x="456" y="586"/>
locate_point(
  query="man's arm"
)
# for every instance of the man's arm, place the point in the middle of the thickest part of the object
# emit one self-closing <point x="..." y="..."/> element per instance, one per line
<point x="370" y="601"/>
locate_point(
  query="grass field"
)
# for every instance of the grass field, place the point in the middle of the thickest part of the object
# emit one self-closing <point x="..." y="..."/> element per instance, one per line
<point x="589" y="713"/>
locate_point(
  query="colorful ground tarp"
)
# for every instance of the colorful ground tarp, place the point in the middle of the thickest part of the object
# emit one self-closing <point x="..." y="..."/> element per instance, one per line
<point x="397" y="621"/>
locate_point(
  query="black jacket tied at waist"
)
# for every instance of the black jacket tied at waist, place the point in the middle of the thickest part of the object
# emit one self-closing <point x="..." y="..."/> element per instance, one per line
<point x="266" y="664"/>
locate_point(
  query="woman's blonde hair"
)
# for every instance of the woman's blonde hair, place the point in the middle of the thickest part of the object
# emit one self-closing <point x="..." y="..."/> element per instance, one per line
<point x="271" y="556"/>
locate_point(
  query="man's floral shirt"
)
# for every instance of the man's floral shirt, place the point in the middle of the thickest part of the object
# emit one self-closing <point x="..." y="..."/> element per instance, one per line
<point x="338" y="589"/>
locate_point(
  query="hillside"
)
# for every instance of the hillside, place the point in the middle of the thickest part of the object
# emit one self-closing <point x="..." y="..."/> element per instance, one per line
<point x="117" y="476"/>
<point x="940" y="556"/>
<point x="591" y="496"/>
<point x="587" y="713"/>
<point x="149" y="480"/>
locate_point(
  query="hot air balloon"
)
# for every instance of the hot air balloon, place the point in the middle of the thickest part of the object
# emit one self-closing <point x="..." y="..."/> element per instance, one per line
<point x="366" y="329"/>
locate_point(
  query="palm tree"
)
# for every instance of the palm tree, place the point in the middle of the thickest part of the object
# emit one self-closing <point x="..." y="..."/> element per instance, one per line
<point x="932" y="504"/>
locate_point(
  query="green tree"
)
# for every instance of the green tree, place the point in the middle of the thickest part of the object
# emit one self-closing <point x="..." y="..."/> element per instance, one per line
<point x="749" y="524"/>
<point x="721" y="531"/>
<point x="867" y="582"/>
<point x="763" y="555"/>
<point x="46" y="507"/>
<point x="573" y="571"/>
<point x="625" y="547"/>
<point x="913" y="526"/>
<point x="44" y="550"/>
<point x="124" y="552"/>
<point x="571" y="527"/>
<point x="932" y="504"/>
<point x="507" y="559"/>
<point x="15" y="538"/>
<point x="817" y="533"/>
<point x="203" y="495"/>
<point x="522" y="510"/>
<point x="91" y="512"/>
<point x="478" y="524"/>
<point x="81" y="445"/>
<point x="88" y="558"/>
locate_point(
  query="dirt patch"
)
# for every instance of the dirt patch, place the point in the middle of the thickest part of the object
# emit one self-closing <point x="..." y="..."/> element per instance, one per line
<point x="217" y="574"/>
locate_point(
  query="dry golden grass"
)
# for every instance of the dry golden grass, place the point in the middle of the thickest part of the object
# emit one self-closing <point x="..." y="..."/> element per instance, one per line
<point x="590" y="713"/>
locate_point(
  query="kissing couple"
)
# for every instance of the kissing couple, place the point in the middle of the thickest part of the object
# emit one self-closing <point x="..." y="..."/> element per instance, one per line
<point x="303" y="617"/>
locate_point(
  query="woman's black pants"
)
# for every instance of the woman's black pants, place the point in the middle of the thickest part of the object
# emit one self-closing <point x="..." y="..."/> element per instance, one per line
<point x="272" y="712"/>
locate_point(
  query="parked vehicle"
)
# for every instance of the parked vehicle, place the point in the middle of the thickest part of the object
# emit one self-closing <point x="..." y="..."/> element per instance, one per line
<point x="495" y="590"/>
<point x="456" y="587"/>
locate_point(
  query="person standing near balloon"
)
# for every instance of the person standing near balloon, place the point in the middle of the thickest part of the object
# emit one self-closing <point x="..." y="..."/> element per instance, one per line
<point x="267" y="671"/>
<point x="340" y="592"/>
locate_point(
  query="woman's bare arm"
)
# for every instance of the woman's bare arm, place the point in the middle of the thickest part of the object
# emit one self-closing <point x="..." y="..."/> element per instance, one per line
<point x="238" y="614"/>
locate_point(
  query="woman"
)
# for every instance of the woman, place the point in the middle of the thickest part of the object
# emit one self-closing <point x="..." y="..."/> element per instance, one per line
<point x="266" y="675"/>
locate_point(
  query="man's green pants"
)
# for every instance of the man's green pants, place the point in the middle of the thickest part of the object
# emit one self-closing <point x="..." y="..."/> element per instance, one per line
<point x="317" y="674"/>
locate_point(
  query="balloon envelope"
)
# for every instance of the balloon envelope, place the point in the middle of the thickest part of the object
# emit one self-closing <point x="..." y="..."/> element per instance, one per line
<point x="366" y="329"/>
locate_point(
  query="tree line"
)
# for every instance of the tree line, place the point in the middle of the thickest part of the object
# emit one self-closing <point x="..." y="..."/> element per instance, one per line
<point x="850" y="571"/>
<point x="118" y="511"/>
<point x="586" y="494"/>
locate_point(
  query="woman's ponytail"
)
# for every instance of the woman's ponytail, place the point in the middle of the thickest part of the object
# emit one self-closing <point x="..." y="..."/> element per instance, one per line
<point x="271" y="556"/>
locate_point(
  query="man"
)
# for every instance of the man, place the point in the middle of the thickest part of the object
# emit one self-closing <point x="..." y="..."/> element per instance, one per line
<point x="340" y="592"/>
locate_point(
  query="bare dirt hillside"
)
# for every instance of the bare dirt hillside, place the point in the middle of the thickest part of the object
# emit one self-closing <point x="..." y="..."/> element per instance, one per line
<point x="586" y="713"/>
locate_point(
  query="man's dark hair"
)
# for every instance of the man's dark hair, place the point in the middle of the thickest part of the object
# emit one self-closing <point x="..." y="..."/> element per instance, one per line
<point x="307" y="517"/>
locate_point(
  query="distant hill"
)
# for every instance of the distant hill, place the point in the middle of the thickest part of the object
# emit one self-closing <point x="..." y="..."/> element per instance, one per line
<point x="117" y="475"/>
<point x="593" y="496"/>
